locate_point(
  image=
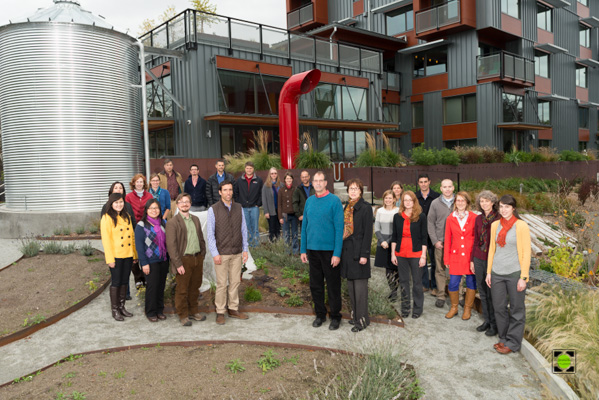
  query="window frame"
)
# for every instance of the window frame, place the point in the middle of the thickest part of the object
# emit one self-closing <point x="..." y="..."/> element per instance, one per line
<point x="542" y="55"/>
<point x="587" y="36"/>
<point x="464" y="111"/>
<point x="541" y="112"/>
<point x="586" y="125"/>
<point x="586" y="76"/>
<point x="503" y="104"/>
<point x="397" y="13"/>
<point x="508" y="10"/>
<point x="426" y="66"/>
<point x="546" y="11"/>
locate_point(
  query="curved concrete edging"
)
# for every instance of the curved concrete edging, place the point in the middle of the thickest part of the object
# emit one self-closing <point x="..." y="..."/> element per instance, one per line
<point x="53" y="319"/>
<point x="194" y="343"/>
<point x="558" y="387"/>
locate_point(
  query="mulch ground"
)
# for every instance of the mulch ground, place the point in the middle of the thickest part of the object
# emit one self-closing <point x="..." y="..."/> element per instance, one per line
<point x="34" y="289"/>
<point x="174" y="372"/>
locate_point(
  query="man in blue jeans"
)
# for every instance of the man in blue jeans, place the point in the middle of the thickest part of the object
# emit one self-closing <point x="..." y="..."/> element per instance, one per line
<point x="248" y="193"/>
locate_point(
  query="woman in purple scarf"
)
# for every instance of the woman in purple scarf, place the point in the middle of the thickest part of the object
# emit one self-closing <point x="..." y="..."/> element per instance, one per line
<point x="150" y="241"/>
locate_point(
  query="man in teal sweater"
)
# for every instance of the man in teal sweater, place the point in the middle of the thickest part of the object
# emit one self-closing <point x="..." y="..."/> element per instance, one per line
<point x="322" y="239"/>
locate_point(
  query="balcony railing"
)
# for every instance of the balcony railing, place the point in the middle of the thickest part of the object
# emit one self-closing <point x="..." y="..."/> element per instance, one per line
<point x="300" y="16"/>
<point x="437" y="17"/>
<point x="192" y="27"/>
<point x="505" y="65"/>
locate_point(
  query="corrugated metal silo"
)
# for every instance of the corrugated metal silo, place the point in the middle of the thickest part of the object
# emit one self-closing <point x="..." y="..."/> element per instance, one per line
<point x="70" y="110"/>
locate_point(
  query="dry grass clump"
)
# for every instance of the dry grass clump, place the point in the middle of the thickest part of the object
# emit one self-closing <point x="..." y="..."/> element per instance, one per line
<point x="262" y="159"/>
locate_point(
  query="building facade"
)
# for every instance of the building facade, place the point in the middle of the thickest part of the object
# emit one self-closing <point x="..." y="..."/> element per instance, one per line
<point x="498" y="73"/>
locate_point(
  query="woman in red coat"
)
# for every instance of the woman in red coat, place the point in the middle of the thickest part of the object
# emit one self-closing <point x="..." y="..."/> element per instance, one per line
<point x="459" y="240"/>
<point x="138" y="196"/>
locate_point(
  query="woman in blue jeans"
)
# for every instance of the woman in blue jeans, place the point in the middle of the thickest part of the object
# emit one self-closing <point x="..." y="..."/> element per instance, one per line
<point x="287" y="215"/>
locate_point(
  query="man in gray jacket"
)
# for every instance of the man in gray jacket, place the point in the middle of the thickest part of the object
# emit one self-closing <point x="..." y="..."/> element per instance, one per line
<point x="440" y="209"/>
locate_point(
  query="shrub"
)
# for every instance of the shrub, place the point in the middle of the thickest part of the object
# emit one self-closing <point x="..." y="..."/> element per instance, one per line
<point x="448" y="157"/>
<point x="587" y="188"/>
<point x="93" y="229"/>
<point x="564" y="262"/>
<point x="423" y="156"/>
<point x="513" y="157"/>
<point x="30" y="247"/>
<point x="492" y="155"/>
<point x="80" y="230"/>
<point x="378" y="299"/>
<point x="66" y="231"/>
<point x="268" y="361"/>
<point x="544" y="154"/>
<point x="470" y="155"/>
<point x="283" y="291"/>
<point x="52" y="248"/>
<point x="252" y="294"/>
<point x="312" y="159"/>
<point x="69" y="248"/>
<point x="57" y="231"/>
<point x="87" y="249"/>
<point x="539" y="203"/>
<point x="571" y="155"/>
<point x="294" y="301"/>
<point x="262" y="159"/>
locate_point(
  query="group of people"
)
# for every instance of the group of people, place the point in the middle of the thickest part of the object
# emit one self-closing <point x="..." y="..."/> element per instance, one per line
<point x="150" y="228"/>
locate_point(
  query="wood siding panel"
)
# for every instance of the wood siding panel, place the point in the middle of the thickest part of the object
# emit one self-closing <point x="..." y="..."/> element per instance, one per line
<point x="460" y="131"/>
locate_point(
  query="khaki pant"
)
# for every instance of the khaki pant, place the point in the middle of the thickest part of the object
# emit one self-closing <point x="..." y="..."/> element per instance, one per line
<point x="229" y="270"/>
<point x="188" y="285"/>
<point x="441" y="274"/>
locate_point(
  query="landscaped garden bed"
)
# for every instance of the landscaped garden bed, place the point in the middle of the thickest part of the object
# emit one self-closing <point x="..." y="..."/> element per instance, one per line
<point x="221" y="371"/>
<point x="35" y="289"/>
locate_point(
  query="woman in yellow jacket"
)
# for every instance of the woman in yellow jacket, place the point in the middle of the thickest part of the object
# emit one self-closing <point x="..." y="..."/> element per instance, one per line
<point x="507" y="274"/>
<point x="119" y="250"/>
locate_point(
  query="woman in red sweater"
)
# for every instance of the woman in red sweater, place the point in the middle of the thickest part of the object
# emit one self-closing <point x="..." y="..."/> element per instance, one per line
<point x="138" y="196"/>
<point x="459" y="240"/>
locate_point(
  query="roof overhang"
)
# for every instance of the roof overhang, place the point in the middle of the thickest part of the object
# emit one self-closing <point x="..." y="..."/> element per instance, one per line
<point x="156" y="124"/>
<point x="586" y="104"/>
<point x="591" y="21"/>
<point x="551" y="97"/>
<point x="394" y="134"/>
<point x="425" y="46"/>
<point x="522" y="126"/>
<point x="556" y="3"/>
<point x="550" y="48"/>
<point x="392" y="6"/>
<point x="588" y="62"/>
<point x="273" y="120"/>
<point x="360" y="37"/>
<point x="348" y="21"/>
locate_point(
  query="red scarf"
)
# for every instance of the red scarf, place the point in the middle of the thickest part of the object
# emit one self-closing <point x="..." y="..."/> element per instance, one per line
<point x="505" y="227"/>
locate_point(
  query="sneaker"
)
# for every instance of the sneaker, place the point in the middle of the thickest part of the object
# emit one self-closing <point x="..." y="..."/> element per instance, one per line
<point x="185" y="322"/>
<point x="220" y="319"/>
<point x="198" y="317"/>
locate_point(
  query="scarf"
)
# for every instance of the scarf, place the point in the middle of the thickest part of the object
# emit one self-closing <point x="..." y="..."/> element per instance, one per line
<point x="289" y="187"/>
<point x="505" y="227"/>
<point x="483" y="239"/>
<point x="160" y="236"/>
<point x="348" y="219"/>
<point x="155" y="194"/>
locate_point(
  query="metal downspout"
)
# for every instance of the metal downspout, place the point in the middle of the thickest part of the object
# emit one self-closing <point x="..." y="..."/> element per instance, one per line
<point x="142" y="69"/>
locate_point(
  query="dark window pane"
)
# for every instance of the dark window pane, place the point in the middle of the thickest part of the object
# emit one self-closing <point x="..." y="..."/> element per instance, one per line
<point x="239" y="90"/>
<point x="417" y="115"/>
<point x="512" y="108"/>
<point x="470" y="106"/>
<point x="436" y="62"/>
<point x="419" y="65"/>
<point x="453" y="110"/>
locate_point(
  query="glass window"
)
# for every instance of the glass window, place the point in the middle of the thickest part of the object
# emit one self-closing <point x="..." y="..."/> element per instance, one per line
<point x="323" y="143"/>
<point x="273" y="85"/>
<point x="582" y="146"/>
<point x="354" y="103"/>
<point x="511" y="7"/>
<point x="542" y="64"/>
<point x="585" y="36"/>
<point x="417" y="115"/>
<point x="227" y="141"/>
<point x="583" y="117"/>
<point x="399" y="21"/>
<point x="544" y="18"/>
<point x="581" y="76"/>
<point x="349" y="146"/>
<point x="459" y="109"/>
<point x="470" y="108"/>
<point x="248" y="93"/>
<point x="161" y="143"/>
<point x="336" y="146"/>
<point x="584" y="2"/>
<point x="391" y="113"/>
<point x="513" y="109"/>
<point x="544" y="109"/>
<point x="544" y="143"/>
<point x="341" y="102"/>
<point x="328" y="101"/>
<point x="360" y="142"/>
<point x="430" y="63"/>
<point x="159" y="104"/>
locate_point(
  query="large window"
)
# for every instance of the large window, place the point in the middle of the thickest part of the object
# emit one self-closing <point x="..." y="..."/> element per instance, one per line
<point x="459" y="109"/>
<point x="581" y="76"/>
<point x="585" y="36"/>
<point x="245" y="93"/>
<point x="159" y="104"/>
<point x="513" y="108"/>
<point x="542" y="64"/>
<point x="341" y="102"/>
<point x="584" y="2"/>
<point x="511" y="7"/>
<point x="341" y="145"/>
<point x="431" y="62"/>
<point x="239" y="138"/>
<point x="391" y="113"/>
<point x="583" y="117"/>
<point x="161" y="143"/>
<point x="544" y="109"/>
<point x="544" y="18"/>
<point x="399" y="21"/>
<point x="418" y="115"/>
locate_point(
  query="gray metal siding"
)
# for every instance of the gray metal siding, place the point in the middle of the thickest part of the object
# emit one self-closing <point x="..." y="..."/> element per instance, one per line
<point x="528" y="15"/>
<point x="565" y="125"/>
<point x="433" y="120"/>
<point x="563" y="75"/>
<point x="488" y="14"/>
<point x="461" y="59"/>
<point x="565" y="30"/>
<point x="489" y="114"/>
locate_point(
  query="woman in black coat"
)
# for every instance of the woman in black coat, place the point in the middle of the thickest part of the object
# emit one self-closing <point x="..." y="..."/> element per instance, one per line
<point x="408" y="251"/>
<point x="355" y="256"/>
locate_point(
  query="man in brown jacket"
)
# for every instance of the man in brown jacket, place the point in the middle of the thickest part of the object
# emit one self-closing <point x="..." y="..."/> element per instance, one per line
<point x="172" y="181"/>
<point x="187" y="249"/>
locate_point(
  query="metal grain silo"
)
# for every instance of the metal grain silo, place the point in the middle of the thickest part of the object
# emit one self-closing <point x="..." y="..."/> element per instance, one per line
<point x="70" y="107"/>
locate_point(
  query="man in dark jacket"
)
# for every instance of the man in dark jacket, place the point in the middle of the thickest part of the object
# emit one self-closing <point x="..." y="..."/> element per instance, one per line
<point x="301" y="194"/>
<point x="248" y="193"/>
<point x="213" y="182"/>
<point x="195" y="186"/>
<point x="425" y="197"/>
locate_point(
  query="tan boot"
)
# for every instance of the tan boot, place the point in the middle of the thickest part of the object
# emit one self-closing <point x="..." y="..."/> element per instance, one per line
<point x="453" y="311"/>
<point x="468" y="303"/>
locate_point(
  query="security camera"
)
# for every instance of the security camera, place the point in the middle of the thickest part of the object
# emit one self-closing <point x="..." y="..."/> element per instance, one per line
<point x="188" y="122"/>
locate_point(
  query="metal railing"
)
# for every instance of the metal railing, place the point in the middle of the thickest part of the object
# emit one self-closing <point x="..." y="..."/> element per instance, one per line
<point x="505" y="65"/>
<point x="300" y="16"/>
<point x="438" y="16"/>
<point x="191" y="27"/>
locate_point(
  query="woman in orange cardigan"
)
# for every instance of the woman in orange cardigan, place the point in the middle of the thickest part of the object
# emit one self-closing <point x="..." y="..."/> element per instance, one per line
<point x="457" y="249"/>
<point x="507" y="274"/>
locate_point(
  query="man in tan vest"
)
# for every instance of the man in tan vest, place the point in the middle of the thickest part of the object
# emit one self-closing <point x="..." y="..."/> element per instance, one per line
<point x="228" y="243"/>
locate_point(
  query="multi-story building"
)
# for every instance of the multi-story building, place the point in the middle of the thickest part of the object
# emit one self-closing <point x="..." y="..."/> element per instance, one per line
<point x="496" y="73"/>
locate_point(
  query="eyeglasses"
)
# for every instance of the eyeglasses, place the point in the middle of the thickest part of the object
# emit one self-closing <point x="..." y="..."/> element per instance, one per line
<point x="353" y="189"/>
<point x="184" y="202"/>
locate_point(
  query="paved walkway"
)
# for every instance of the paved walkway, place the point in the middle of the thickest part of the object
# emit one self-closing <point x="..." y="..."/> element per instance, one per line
<point x="452" y="360"/>
<point x="9" y="252"/>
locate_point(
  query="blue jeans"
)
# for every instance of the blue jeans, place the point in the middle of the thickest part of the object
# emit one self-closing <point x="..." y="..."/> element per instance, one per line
<point x="454" y="282"/>
<point x="252" y="216"/>
<point x="290" y="224"/>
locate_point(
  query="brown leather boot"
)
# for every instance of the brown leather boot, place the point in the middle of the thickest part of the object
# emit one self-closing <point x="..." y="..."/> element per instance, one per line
<point x="237" y="314"/>
<point x="453" y="311"/>
<point x="468" y="303"/>
<point x="122" y="295"/>
<point x="114" y="303"/>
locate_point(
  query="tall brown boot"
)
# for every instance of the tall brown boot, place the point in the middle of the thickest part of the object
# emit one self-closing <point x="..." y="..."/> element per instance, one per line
<point x="122" y="295"/>
<point x="453" y="311"/>
<point x="468" y="303"/>
<point x="114" y="303"/>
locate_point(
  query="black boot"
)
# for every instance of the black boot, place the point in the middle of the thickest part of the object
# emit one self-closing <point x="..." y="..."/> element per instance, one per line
<point x="114" y="303"/>
<point x="122" y="290"/>
<point x="492" y="331"/>
<point x="483" y="327"/>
